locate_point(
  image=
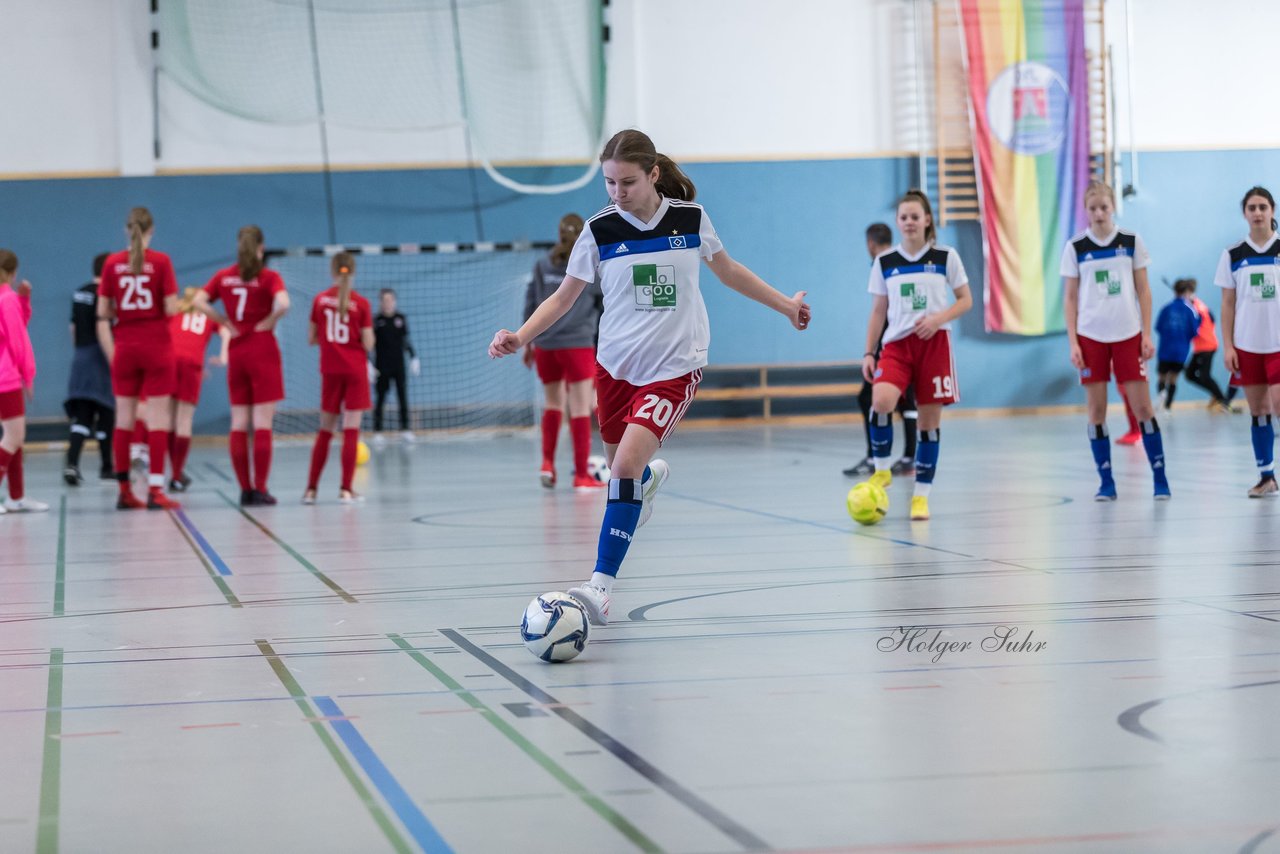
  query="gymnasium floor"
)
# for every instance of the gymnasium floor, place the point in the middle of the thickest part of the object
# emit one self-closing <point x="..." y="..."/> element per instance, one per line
<point x="350" y="679"/>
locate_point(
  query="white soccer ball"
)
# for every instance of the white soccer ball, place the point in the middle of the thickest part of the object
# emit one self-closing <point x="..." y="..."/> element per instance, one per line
<point x="598" y="468"/>
<point x="555" y="627"/>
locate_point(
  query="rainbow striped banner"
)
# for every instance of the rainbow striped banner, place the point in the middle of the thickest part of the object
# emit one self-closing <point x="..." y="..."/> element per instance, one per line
<point x="1029" y="103"/>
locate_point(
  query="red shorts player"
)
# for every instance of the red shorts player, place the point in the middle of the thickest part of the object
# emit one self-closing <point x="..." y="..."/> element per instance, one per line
<point x="254" y="299"/>
<point x="191" y="331"/>
<point x="342" y="324"/>
<point x="139" y="292"/>
<point x="919" y="287"/>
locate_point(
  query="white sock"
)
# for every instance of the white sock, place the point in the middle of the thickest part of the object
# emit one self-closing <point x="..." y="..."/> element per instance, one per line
<point x="599" y="579"/>
<point x="922" y="489"/>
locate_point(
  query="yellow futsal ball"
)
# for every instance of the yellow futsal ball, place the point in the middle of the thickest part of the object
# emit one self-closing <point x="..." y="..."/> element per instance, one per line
<point x="867" y="503"/>
<point x="362" y="454"/>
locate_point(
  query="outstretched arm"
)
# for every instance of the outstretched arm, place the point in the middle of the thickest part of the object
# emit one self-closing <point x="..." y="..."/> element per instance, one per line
<point x="736" y="276"/>
<point x="506" y="342"/>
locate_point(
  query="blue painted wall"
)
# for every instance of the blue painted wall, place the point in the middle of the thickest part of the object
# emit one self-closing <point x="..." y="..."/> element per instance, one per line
<point x="798" y="224"/>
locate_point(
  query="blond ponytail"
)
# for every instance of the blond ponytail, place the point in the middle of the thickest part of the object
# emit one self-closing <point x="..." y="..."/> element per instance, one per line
<point x="343" y="267"/>
<point x="138" y="224"/>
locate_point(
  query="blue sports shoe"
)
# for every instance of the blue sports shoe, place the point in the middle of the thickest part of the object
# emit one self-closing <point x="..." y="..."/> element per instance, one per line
<point x="1107" y="491"/>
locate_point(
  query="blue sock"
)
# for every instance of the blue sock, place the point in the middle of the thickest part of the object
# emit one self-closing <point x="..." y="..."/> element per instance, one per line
<point x="881" y="438"/>
<point x="620" y="517"/>
<point x="1100" y="444"/>
<point x="1154" y="446"/>
<point x="1264" y="440"/>
<point x="927" y="455"/>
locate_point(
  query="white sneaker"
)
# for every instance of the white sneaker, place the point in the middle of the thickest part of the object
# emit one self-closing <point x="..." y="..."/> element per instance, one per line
<point x="648" y="491"/>
<point x="379" y="440"/>
<point x="594" y="601"/>
<point x="349" y="496"/>
<point x="408" y="437"/>
<point x="309" y="497"/>
<point x="25" y="505"/>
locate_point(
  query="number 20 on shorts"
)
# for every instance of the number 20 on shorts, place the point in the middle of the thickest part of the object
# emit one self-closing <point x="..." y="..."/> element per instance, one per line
<point x="656" y="409"/>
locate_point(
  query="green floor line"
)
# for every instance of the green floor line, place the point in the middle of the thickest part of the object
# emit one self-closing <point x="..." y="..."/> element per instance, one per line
<point x="218" y="580"/>
<point x="308" y="565"/>
<point x="51" y="766"/>
<point x="60" y="577"/>
<point x="370" y="802"/>
<point x="591" y="800"/>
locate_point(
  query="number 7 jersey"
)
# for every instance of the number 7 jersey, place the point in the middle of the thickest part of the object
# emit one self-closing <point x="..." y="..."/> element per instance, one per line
<point x="246" y="304"/>
<point x="139" y="297"/>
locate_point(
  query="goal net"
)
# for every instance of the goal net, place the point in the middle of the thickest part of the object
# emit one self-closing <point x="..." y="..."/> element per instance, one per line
<point x="454" y="297"/>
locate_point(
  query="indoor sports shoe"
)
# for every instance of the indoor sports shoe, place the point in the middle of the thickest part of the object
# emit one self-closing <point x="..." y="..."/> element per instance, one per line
<point x="180" y="484"/>
<point x="24" y="505"/>
<point x="349" y="496"/>
<point x="904" y="467"/>
<point x="246" y="497"/>
<point x="881" y="478"/>
<point x="1106" y="492"/>
<point x="1265" y="488"/>
<point x="379" y="440"/>
<point x="72" y="476"/>
<point x="659" y="472"/>
<point x="1162" y="492"/>
<point x="861" y="469"/>
<point x="919" y="508"/>
<point x="129" y="501"/>
<point x="593" y="600"/>
<point x="408" y="437"/>
<point x="262" y="498"/>
<point x="106" y="474"/>
<point x="1131" y="438"/>
<point x="309" y="497"/>
<point x="584" y="483"/>
<point x="547" y="474"/>
<point x="157" y="500"/>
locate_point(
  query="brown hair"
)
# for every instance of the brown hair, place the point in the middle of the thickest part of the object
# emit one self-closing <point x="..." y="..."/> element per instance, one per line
<point x="138" y="224"/>
<point x="1184" y="286"/>
<point x="918" y="196"/>
<point x="8" y="262"/>
<point x="633" y="146"/>
<point x="1261" y="192"/>
<point x="1095" y="187"/>
<point x="560" y="252"/>
<point x="248" y="242"/>
<point x="343" y="266"/>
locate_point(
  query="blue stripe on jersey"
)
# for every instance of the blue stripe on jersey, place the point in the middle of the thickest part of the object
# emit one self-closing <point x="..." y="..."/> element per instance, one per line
<point x="653" y="244"/>
<point x="1100" y="254"/>
<point x="913" y="269"/>
<point x="1256" y="261"/>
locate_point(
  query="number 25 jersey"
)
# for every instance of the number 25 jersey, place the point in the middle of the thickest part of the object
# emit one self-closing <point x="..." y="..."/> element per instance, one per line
<point x="139" y="297"/>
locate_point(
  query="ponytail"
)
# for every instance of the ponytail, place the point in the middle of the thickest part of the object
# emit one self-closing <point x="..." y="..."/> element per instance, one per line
<point x="248" y="243"/>
<point x="343" y="267"/>
<point x="570" y="227"/>
<point x="633" y="146"/>
<point x="138" y="224"/>
<point x="187" y="302"/>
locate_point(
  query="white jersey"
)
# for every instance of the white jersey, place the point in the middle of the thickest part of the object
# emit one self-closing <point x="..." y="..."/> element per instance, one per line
<point x="1253" y="272"/>
<point x="915" y="286"/>
<point x="1107" y="308"/>
<point x="654" y="325"/>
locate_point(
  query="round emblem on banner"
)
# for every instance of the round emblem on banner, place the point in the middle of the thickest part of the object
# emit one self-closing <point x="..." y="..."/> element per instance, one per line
<point x="1027" y="106"/>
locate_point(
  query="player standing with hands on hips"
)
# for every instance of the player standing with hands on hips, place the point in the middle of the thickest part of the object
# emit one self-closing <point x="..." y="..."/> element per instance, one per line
<point x="645" y="250"/>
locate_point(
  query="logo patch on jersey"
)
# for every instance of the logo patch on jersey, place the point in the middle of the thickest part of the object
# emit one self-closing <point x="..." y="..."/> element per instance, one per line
<point x="676" y="242"/>
<point x="907" y="289"/>
<point x="1108" y="282"/>
<point x="919" y="301"/>
<point x="620" y="248"/>
<point x="655" y="285"/>
<point x="1266" y="287"/>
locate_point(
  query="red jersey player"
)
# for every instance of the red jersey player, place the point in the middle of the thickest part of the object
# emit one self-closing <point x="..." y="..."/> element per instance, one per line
<point x="191" y="331"/>
<point x="255" y="299"/>
<point x="138" y="291"/>
<point x="342" y="324"/>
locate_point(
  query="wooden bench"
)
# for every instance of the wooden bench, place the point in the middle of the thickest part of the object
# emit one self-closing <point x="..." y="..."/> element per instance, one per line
<point x="767" y="392"/>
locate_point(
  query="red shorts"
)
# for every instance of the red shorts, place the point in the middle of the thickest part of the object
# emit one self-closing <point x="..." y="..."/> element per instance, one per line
<point x="573" y="364"/>
<point x="187" y="385"/>
<point x="142" y="371"/>
<point x="12" y="404"/>
<point x="927" y="366"/>
<point x="658" y="406"/>
<point x="1100" y="357"/>
<point x="1257" y="369"/>
<point x="254" y="374"/>
<point x="344" y="391"/>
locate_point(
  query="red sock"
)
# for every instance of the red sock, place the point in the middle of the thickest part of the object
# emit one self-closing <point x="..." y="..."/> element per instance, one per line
<point x="239" y="447"/>
<point x="261" y="459"/>
<point x="140" y="432"/>
<point x="178" y="450"/>
<point x="319" y="456"/>
<point x="120" y="441"/>
<point x="158" y="440"/>
<point x="580" y="430"/>
<point x="550" y="431"/>
<point x="350" y="444"/>
<point x="1128" y="410"/>
<point x="15" y="475"/>
<point x="5" y="457"/>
